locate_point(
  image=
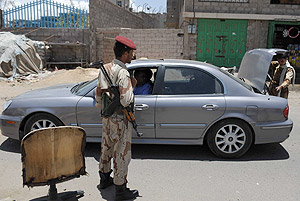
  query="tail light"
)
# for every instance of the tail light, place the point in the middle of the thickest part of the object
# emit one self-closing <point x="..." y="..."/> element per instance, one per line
<point x="286" y="112"/>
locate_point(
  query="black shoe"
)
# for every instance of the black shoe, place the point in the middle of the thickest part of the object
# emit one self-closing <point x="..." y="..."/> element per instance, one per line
<point x="124" y="193"/>
<point x="105" y="180"/>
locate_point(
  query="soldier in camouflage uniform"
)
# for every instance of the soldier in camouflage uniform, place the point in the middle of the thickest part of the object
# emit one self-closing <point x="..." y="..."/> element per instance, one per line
<point x="283" y="74"/>
<point x="116" y="132"/>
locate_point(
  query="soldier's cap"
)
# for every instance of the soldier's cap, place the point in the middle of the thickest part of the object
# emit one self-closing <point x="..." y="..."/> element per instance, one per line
<point x="282" y="55"/>
<point x="125" y="41"/>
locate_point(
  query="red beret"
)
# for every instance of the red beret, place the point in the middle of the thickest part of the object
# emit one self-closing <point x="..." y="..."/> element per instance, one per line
<point x="126" y="42"/>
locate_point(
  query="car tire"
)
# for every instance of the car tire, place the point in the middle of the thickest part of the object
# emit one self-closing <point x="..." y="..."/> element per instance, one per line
<point x="38" y="121"/>
<point x="230" y="138"/>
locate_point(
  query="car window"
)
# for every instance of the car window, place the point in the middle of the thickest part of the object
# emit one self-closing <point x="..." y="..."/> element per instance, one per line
<point x="179" y="81"/>
<point x="84" y="87"/>
<point x="145" y="80"/>
<point x="237" y="79"/>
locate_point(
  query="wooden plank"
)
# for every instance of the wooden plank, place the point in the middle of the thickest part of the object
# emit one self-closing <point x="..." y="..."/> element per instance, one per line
<point x="54" y="153"/>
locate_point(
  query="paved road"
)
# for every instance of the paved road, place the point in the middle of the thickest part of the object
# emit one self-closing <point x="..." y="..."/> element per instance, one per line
<point x="266" y="172"/>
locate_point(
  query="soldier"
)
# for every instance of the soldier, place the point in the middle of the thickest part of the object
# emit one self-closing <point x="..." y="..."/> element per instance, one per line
<point x="283" y="74"/>
<point x="116" y="132"/>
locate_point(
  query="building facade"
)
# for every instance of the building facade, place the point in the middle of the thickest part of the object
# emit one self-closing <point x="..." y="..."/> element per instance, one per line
<point x="221" y="31"/>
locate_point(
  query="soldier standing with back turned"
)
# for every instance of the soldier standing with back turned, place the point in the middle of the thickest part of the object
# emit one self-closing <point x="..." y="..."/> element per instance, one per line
<point x="116" y="132"/>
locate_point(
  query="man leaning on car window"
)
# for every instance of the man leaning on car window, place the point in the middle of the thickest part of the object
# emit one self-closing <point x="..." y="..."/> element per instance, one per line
<point x="282" y="77"/>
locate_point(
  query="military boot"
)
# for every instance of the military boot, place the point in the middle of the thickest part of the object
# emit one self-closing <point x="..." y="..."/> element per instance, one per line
<point x="124" y="193"/>
<point x="105" y="180"/>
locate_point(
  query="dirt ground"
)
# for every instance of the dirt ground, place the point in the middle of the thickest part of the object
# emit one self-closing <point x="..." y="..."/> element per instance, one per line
<point x="10" y="89"/>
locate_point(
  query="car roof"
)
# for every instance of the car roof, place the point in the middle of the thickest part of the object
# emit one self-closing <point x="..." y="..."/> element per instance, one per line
<point x="169" y="62"/>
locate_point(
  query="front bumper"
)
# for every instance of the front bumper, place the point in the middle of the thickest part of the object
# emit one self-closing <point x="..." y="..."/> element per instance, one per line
<point x="272" y="132"/>
<point x="10" y="130"/>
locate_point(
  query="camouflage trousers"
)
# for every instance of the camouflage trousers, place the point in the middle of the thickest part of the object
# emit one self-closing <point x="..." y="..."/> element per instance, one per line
<point x="284" y="91"/>
<point x="116" y="145"/>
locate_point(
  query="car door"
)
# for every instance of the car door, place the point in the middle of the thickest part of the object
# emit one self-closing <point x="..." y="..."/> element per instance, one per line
<point x="89" y="118"/>
<point x="189" y="101"/>
<point x="88" y="115"/>
<point x="145" y="107"/>
<point x="144" y="115"/>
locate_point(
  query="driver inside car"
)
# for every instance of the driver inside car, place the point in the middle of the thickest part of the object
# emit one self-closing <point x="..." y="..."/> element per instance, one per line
<point x="144" y="84"/>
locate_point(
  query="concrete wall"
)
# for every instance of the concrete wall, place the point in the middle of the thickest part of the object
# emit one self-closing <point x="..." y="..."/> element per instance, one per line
<point x="151" y="43"/>
<point x="257" y="34"/>
<point x="104" y="14"/>
<point x="108" y="15"/>
<point x="253" y="7"/>
<point x="152" y="21"/>
<point x="161" y="18"/>
<point x="55" y="35"/>
<point x="68" y="44"/>
<point x="173" y="7"/>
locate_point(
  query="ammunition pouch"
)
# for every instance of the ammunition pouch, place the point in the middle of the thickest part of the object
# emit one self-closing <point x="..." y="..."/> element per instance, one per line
<point x="110" y="106"/>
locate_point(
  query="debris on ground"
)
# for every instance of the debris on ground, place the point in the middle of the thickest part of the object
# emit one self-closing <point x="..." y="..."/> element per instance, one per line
<point x="19" y="55"/>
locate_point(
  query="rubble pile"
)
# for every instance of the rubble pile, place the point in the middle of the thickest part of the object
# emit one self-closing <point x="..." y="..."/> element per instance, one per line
<point x="19" y="56"/>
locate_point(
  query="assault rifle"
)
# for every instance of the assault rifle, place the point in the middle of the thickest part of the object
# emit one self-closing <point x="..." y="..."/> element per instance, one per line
<point x="115" y="100"/>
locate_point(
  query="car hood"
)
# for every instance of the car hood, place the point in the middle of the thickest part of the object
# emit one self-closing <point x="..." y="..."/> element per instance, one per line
<point x="255" y="65"/>
<point x="53" y="91"/>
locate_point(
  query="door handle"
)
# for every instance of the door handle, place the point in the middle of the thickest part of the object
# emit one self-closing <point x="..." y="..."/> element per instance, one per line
<point x="210" y="107"/>
<point x="140" y="107"/>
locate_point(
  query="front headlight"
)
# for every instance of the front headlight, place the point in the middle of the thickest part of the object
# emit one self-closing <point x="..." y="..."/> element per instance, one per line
<point x="6" y="105"/>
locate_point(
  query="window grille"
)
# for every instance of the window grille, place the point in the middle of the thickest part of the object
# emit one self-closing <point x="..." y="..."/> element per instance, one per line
<point x="119" y="3"/>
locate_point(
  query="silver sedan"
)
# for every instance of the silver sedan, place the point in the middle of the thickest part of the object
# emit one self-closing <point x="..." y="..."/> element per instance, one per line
<point x="191" y="103"/>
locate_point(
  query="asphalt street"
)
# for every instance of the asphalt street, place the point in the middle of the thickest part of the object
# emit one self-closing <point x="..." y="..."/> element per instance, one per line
<point x="184" y="173"/>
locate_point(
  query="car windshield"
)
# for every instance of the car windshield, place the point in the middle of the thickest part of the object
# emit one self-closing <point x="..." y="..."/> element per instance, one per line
<point x="249" y="87"/>
<point x="83" y="86"/>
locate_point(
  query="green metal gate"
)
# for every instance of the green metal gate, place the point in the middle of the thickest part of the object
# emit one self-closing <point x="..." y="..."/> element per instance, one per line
<point x="221" y="42"/>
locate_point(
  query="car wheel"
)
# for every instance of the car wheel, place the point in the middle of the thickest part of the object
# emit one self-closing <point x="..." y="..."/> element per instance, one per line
<point x="38" y="121"/>
<point x="230" y="138"/>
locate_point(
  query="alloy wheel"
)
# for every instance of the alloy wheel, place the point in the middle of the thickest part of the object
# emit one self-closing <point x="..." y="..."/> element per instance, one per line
<point x="230" y="138"/>
<point x="43" y="123"/>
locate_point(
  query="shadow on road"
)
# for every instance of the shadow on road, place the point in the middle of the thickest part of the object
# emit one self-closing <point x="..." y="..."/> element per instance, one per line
<point x="65" y="196"/>
<point x="11" y="145"/>
<point x="109" y="193"/>
<point x="176" y="152"/>
<point x="202" y="153"/>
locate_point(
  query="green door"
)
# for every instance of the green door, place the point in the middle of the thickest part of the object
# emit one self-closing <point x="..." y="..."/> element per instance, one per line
<point x="221" y="42"/>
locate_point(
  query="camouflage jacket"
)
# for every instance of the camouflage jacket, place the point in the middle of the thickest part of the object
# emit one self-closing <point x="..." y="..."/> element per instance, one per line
<point x="287" y="79"/>
<point x="118" y="72"/>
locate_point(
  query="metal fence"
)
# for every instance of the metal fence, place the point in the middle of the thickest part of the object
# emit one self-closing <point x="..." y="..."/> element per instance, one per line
<point x="45" y="13"/>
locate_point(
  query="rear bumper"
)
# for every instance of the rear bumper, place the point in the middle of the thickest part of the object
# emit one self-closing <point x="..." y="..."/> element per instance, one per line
<point x="272" y="132"/>
<point x="10" y="130"/>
